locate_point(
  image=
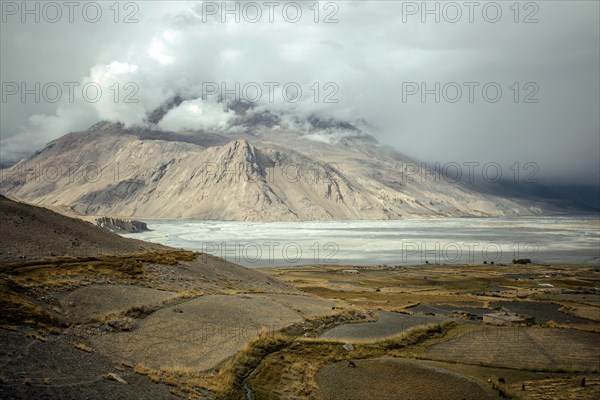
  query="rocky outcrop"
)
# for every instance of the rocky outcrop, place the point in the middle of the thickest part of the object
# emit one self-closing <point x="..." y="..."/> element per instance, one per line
<point x="121" y="225"/>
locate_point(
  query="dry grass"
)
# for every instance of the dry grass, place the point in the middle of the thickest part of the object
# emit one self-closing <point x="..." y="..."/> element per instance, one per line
<point x="125" y="318"/>
<point x="578" y="327"/>
<point x="143" y="369"/>
<point x="19" y="308"/>
<point x="317" y="324"/>
<point x="259" y="362"/>
<point x="189" y="294"/>
<point x="233" y="371"/>
<point x="113" y="316"/>
<point x="391" y="289"/>
<point x="292" y="372"/>
<point x="20" y="282"/>
<point x="580" y="310"/>
<point x="66" y="270"/>
<point x="225" y="381"/>
<point x="36" y="335"/>
<point x="83" y="347"/>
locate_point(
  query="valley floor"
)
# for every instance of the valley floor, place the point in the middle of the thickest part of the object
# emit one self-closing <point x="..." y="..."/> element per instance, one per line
<point x="178" y="324"/>
<point x="550" y="357"/>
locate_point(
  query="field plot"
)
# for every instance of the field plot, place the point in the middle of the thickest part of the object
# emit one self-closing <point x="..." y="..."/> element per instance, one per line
<point x="589" y="297"/>
<point x="531" y="348"/>
<point x="383" y="379"/>
<point x="210" y="328"/>
<point x="444" y="309"/>
<point x="387" y="324"/>
<point x="94" y="301"/>
<point x="542" y="312"/>
<point x="564" y="388"/>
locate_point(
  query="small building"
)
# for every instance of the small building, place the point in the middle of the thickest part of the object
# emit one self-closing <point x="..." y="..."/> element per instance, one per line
<point x="350" y="271"/>
<point x="507" y="318"/>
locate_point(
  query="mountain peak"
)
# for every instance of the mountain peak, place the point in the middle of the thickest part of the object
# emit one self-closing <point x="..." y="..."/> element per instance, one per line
<point x="242" y="147"/>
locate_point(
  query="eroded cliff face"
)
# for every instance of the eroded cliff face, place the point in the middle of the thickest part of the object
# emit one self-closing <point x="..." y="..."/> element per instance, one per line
<point x="258" y="174"/>
<point x="121" y="225"/>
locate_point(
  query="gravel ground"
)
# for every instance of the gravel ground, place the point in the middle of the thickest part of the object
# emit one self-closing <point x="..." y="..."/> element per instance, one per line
<point x="55" y="369"/>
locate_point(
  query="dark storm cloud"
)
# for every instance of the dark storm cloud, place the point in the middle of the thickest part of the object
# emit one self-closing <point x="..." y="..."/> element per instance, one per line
<point x="376" y="53"/>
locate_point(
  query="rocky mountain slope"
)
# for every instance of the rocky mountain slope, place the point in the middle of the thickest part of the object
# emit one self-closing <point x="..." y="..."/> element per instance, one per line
<point x="30" y="233"/>
<point x="260" y="169"/>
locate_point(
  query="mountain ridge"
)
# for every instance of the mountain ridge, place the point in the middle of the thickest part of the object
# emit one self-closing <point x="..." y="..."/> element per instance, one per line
<point x="332" y="171"/>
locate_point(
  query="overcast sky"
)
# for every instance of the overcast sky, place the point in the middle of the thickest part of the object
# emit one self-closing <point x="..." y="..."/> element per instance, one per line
<point x="378" y="54"/>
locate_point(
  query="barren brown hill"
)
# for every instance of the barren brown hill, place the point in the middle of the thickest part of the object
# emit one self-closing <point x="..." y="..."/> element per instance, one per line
<point x="31" y="233"/>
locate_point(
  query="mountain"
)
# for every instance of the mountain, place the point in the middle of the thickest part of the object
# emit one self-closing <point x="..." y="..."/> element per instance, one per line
<point x="264" y="167"/>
